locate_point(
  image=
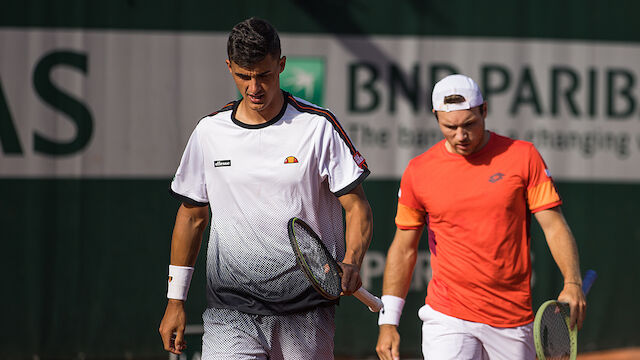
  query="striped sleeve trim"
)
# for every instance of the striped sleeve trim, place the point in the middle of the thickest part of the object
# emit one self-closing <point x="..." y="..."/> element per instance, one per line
<point x="186" y="200"/>
<point x="353" y="185"/>
<point x="543" y="196"/>
<point x="409" y="218"/>
<point x="336" y="125"/>
<point x="229" y="106"/>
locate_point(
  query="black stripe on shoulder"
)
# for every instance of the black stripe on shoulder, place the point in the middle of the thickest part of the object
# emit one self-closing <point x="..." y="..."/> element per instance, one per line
<point x="229" y="106"/>
<point x="312" y="109"/>
<point x="186" y="200"/>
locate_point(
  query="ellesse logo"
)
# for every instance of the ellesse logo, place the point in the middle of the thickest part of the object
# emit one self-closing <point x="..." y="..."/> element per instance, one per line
<point x="290" y="160"/>
<point x="219" y="163"/>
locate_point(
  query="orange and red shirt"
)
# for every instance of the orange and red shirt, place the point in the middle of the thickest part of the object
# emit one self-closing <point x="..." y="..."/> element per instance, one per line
<point x="477" y="210"/>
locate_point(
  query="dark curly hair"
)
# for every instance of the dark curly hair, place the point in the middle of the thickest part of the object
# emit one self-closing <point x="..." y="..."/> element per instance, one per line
<point x="251" y="41"/>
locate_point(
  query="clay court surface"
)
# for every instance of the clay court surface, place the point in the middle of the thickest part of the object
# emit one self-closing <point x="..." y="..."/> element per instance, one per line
<point x="620" y="354"/>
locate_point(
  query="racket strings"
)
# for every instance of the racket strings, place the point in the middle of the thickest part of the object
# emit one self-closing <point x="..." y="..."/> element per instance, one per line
<point x="318" y="261"/>
<point x="555" y="336"/>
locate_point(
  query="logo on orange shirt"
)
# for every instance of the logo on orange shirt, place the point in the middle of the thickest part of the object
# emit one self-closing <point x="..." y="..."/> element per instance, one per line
<point x="496" y="177"/>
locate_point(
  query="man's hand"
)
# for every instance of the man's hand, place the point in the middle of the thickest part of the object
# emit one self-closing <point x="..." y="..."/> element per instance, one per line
<point x="572" y="295"/>
<point x="388" y="347"/>
<point x="174" y="320"/>
<point x="351" y="280"/>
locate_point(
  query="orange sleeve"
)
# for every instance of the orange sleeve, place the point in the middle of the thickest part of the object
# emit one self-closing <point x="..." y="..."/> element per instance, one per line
<point x="543" y="196"/>
<point x="541" y="192"/>
<point x="409" y="214"/>
<point x="408" y="218"/>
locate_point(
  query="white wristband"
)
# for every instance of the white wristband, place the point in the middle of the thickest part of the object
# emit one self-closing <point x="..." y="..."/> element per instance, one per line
<point x="179" y="280"/>
<point x="392" y="310"/>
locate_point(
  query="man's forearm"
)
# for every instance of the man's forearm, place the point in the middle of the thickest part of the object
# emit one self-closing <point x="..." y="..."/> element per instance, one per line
<point x="561" y="244"/>
<point x="401" y="259"/>
<point x="358" y="236"/>
<point x="397" y="273"/>
<point x="187" y="234"/>
<point x="565" y="253"/>
<point x="359" y="226"/>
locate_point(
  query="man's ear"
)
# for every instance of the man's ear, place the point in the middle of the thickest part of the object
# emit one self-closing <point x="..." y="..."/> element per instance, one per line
<point x="283" y="61"/>
<point x="229" y="65"/>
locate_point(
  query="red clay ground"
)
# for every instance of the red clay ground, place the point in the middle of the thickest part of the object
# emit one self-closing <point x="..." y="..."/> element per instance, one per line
<point x="621" y="354"/>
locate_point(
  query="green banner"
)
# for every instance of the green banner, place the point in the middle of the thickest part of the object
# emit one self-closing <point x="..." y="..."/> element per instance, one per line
<point x="88" y="262"/>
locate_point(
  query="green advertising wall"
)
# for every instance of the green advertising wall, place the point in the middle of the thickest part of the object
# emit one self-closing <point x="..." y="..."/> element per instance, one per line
<point x="87" y="260"/>
<point x="85" y="257"/>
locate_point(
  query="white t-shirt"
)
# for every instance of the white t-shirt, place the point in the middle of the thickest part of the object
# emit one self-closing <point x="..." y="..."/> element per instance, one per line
<point x="255" y="178"/>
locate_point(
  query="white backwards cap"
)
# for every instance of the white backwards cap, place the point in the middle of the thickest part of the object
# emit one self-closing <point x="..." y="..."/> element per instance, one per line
<point x="456" y="85"/>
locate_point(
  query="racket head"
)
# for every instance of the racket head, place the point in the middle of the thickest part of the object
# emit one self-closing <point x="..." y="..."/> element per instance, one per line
<point x="314" y="259"/>
<point x="552" y="335"/>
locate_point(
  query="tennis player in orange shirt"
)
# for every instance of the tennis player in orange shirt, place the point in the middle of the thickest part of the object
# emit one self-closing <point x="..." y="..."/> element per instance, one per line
<point x="474" y="193"/>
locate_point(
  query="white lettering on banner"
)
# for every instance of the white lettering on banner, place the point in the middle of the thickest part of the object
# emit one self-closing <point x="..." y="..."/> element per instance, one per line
<point x="76" y="103"/>
<point x="373" y="269"/>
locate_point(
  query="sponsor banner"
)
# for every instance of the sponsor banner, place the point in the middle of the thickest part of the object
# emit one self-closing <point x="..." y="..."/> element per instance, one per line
<point x="108" y="103"/>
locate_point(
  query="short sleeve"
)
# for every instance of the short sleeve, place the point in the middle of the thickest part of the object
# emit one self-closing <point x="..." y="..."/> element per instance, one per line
<point x="340" y="162"/>
<point x="541" y="191"/>
<point x="189" y="185"/>
<point x="410" y="213"/>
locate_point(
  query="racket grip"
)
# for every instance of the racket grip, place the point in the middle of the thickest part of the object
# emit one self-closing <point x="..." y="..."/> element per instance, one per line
<point x="589" y="277"/>
<point x="373" y="302"/>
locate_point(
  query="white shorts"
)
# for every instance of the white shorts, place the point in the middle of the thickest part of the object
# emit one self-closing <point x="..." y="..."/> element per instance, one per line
<point x="234" y="335"/>
<point x="449" y="338"/>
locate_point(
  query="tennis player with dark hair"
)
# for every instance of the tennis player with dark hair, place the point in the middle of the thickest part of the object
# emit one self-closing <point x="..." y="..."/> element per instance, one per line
<point x="474" y="193"/>
<point x="254" y="164"/>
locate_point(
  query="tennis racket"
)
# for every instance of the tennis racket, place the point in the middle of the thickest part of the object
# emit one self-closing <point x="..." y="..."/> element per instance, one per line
<point x="320" y="267"/>
<point x="553" y="337"/>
